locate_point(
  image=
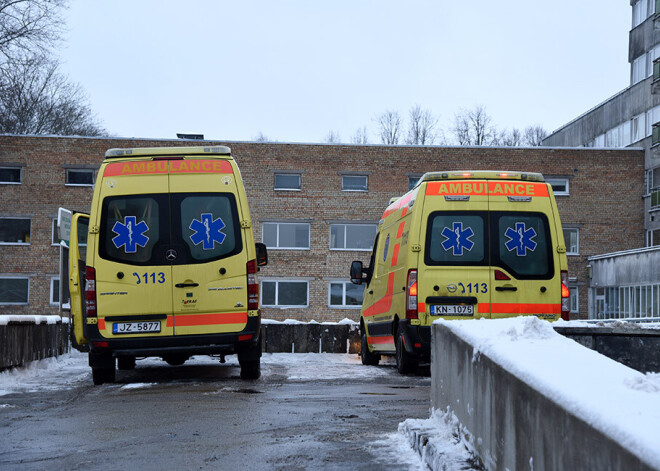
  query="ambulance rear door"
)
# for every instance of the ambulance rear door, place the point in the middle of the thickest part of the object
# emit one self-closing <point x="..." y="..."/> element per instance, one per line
<point x="454" y="274"/>
<point x="77" y="266"/>
<point x="209" y="271"/>
<point x="133" y="273"/>
<point x="525" y="272"/>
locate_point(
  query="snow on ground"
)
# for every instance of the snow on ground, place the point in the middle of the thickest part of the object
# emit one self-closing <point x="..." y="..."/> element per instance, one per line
<point x="621" y="402"/>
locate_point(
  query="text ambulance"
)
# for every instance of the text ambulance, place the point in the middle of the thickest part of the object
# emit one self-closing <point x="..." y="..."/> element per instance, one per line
<point x="169" y="265"/>
<point x="461" y="245"/>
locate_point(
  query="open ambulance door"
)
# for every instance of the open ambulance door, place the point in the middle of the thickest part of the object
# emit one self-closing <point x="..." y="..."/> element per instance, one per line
<point x="77" y="266"/>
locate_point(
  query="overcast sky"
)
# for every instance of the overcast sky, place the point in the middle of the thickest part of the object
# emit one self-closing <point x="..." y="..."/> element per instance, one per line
<point x="296" y="70"/>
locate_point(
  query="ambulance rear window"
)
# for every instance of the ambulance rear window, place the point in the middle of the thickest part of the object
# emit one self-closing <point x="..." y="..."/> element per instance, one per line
<point x="523" y="245"/>
<point x="457" y="238"/>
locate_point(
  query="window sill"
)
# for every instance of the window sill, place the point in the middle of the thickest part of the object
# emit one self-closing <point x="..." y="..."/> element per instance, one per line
<point x="15" y="243"/>
<point x="90" y="185"/>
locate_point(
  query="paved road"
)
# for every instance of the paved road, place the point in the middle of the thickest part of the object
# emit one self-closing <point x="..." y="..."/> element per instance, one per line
<point x="316" y="412"/>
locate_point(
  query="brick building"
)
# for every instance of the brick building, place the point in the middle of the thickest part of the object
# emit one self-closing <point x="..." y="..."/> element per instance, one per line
<point x="315" y="205"/>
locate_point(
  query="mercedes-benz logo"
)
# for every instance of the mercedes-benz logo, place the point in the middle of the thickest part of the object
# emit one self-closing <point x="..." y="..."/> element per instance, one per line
<point x="170" y="255"/>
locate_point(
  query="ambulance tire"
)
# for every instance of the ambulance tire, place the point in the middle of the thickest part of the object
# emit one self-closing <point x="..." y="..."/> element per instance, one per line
<point x="103" y="375"/>
<point x="405" y="362"/>
<point x="368" y="358"/>
<point x="125" y="363"/>
<point x="251" y="369"/>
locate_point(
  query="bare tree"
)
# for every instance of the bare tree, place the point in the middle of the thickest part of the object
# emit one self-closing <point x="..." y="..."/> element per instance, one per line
<point x="332" y="137"/>
<point x="389" y="127"/>
<point x="261" y="137"/>
<point x="421" y="128"/>
<point x="473" y="127"/>
<point x="360" y="136"/>
<point x="534" y="135"/>
<point x="36" y="99"/>
<point x="29" y="27"/>
<point x="506" y="138"/>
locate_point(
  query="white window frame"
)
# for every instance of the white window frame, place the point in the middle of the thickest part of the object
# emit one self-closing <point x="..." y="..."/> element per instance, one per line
<point x="53" y="279"/>
<point x="574" y="298"/>
<point x="353" y="175"/>
<point x="278" y="224"/>
<point x="54" y="239"/>
<point x="577" y="231"/>
<point x="18" y="243"/>
<point x="345" y="224"/>
<point x="286" y="174"/>
<point x="559" y="180"/>
<point x="74" y="169"/>
<point x="277" y="282"/>
<point x="344" y="283"/>
<point x="10" y="277"/>
<point x="20" y="173"/>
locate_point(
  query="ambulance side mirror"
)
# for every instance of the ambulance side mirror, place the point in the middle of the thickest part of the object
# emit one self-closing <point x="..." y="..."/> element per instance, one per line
<point x="262" y="254"/>
<point x="357" y="273"/>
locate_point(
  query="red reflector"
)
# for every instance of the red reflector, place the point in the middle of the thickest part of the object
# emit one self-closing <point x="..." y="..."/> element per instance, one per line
<point x="418" y="345"/>
<point x="100" y="344"/>
<point x="500" y="275"/>
<point x="243" y="338"/>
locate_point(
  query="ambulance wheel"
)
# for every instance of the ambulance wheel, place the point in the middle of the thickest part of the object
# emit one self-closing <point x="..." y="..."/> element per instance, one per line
<point x="405" y="362"/>
<point x="368" y="358"/>
<point x="103" y="375"/>
<point x="176" y="360"/>
<point x="251" y="369"/>
<point x="125" y="363"/>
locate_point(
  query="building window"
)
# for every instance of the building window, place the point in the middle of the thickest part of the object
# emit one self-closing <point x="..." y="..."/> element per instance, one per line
<point x="15" y="231"/>
<point x="14" y="290"/>
<point x="572" y="241"/>
<point x="354" y="183"/>
<point x="54" y="290"/>
<point x="284" y="293"/>
<point x="285" y="235"/>
<point x="639" y="69"/>
<point x="345" y="295"/>
<point x="352" y="236"/>
<point x="412" y="181"/>
<point x="287" y="181"/>
<point x="574" y="299"/>
<point x="11" y="175"/>
<point x="79" y="177"/>
<point x="559" y="186"/>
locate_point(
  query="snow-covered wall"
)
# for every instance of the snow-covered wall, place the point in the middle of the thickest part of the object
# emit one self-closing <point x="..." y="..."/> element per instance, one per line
<point x="532" y="399"/>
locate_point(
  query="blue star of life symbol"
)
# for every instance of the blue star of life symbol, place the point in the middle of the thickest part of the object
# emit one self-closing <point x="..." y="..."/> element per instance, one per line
<point x="207" y="231"/>
<point x="457" y="239"/>
<point x="130" y="234"/>
<point x="520" y="239"/>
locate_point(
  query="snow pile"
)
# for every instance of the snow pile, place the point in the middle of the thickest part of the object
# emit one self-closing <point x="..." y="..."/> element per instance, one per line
<point x="297" y="322"/>
<point x="63" y="372"/>
<point x="33" y="319"/>
<point x="619" y="401"/>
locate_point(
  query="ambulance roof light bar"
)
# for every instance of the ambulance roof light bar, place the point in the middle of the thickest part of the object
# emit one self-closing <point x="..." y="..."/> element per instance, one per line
<point x="162" y="151"/>
<point x="482" y="175"/>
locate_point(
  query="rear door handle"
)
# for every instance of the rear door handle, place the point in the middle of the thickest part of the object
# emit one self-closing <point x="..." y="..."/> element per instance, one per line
<point x="506" y="288"/>
<point x="186" y="285"/>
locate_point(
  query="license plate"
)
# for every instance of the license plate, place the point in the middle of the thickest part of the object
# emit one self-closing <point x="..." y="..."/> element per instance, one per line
<point x="135" y="327"/>
<point x="452" y="310"/>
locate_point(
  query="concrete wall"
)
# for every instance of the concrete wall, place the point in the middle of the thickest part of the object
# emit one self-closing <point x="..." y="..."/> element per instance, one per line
<point x="514" y="426"/>
<point x="22" y="342"/>
<point x="640" y="267"/>
<point x="310" y="338"/>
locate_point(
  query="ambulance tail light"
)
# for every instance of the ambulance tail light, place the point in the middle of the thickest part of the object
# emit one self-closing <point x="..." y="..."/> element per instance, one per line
<point x="411" y="295"/>
<point x="90" y="292"/>
<point x="565" y="296"/>
<point x="252" y="286"/>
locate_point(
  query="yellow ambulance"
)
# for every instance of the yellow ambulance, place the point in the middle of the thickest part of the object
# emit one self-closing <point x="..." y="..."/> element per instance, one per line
<point x="169" y="265"/>
<point x="461" y="245"/>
